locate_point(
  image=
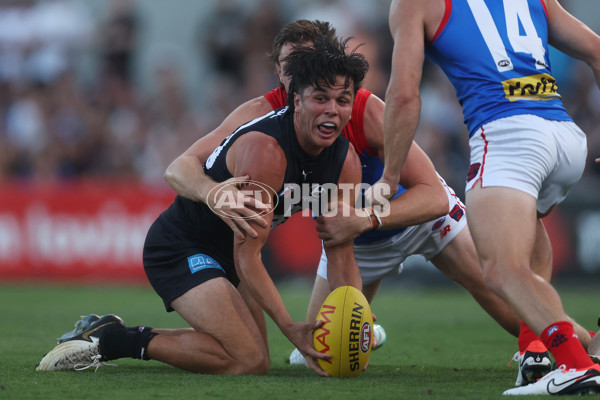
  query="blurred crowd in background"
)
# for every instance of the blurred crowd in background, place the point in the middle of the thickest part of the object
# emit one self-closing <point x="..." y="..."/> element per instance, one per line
<point x="73" y="103"/>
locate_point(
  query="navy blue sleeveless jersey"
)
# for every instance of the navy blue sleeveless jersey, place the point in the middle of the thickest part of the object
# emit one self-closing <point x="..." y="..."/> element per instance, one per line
<point x="196" y="220"/>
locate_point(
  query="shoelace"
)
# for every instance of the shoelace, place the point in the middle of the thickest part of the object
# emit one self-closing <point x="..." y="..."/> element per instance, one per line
<point x="95" y="363"/>
<point x="515" y="358"/>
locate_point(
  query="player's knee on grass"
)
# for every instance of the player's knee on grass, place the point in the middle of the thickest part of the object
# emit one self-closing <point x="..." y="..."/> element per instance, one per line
<point x="253" y="365"/>
<point x="249" y="357"/>
<point x="250" y="363"/>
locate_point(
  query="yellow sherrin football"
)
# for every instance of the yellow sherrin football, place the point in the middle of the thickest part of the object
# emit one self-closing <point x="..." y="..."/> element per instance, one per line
<point x="346" y="333"/>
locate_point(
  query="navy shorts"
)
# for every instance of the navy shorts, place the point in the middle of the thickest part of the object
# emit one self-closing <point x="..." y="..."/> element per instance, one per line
<point x="175" y="264"/>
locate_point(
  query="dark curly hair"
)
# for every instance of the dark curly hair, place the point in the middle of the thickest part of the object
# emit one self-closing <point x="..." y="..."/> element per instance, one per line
<point x="319" y="65"/>
<point x="300" y="32"/>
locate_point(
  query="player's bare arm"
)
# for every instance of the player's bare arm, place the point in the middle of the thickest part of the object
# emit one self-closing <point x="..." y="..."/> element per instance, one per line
<point x="186" y="175"/>
<point x="571" y="36"/>
<point x="403" y="102"/>
<point x="425" y="198"/>
<point x="260" y="156"/>
<point x="342" y="269"/>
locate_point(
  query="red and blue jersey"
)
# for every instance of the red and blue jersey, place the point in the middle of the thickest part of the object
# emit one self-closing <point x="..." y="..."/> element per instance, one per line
<point x="495" y="53"/>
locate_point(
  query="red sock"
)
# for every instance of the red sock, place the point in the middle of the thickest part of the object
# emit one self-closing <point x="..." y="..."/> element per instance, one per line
<point x="526" y="336"/>
<point x="565" y="346"/>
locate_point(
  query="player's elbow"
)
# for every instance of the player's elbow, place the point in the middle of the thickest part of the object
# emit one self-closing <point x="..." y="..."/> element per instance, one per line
<point x="440" y="203"/>
<point x="170" y="173"/>
<point x="179" y="168"/>
<point x="405" y="100"/>
<point x="436" y="201"/>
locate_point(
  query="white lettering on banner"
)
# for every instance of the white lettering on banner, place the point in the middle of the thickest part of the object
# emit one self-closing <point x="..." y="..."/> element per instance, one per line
<point x="10" y="239"/>
<point x="112" y="235"/>
<point x="588" y="241"/>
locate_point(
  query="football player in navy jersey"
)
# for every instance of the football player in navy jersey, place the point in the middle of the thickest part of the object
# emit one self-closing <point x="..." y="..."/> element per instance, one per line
<point x="526" y="152"/>
<point x="217" y="281"/>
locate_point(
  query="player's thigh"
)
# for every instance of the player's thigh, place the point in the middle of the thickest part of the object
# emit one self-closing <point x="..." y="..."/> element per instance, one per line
<point x="458" y="259"/>
<point x="502" y="222"/>
<point x="216" y="307"/>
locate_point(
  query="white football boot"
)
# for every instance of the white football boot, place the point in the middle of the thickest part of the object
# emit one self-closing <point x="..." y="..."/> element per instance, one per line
<point x="562" y="381"/>
<point x="81" y="351"/>
<point x="71" y="355"/>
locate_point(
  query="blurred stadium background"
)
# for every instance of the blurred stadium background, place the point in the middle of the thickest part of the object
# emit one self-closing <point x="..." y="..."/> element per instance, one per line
<point x="98" y="96"/>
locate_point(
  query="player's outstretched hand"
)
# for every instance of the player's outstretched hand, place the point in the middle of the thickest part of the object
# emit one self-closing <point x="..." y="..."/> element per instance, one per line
<point x="237" y="213"/>
<point x="301" y="335"/>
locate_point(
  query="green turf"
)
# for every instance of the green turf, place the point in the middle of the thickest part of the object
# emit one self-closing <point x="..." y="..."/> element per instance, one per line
<point x="440" y="346"/>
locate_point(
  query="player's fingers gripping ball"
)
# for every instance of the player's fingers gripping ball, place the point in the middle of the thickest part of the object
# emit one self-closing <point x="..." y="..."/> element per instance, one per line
<point x="346" y="333"/>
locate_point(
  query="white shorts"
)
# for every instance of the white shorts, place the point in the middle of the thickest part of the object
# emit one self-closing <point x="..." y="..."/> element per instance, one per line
<point x="384" y="257"/>
<point x="537" y="156"/>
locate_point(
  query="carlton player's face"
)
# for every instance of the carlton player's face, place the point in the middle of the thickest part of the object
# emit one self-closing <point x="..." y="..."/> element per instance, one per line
<point x="321" y="113"/>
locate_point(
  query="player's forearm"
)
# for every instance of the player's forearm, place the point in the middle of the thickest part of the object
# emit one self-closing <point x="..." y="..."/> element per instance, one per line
<point x="252" y="271"/>
<point x="186" y="176"/>
<point x="419" y="204"/>
<point x="400" y="120"/>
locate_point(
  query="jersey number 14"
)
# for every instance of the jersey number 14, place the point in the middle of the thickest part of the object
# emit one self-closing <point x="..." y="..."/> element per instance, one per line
<point x="515" y="11"/>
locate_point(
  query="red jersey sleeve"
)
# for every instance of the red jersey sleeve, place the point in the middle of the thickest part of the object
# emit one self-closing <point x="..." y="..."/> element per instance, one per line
<point x="355" y="129"/>
<point x="277" y="98"/>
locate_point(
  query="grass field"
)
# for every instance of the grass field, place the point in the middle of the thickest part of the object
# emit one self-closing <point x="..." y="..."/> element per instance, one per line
<point x="440" y="346"/>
